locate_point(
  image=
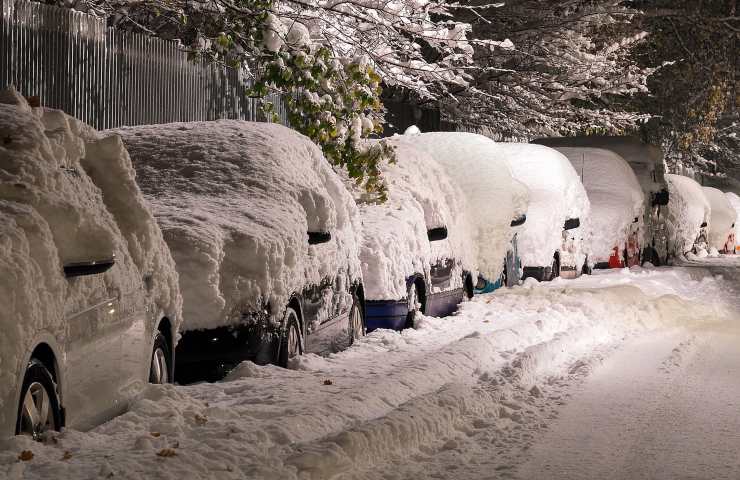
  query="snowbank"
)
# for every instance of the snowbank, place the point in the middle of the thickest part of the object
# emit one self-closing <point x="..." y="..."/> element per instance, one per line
<point x="53" y="213"/>
<point x="395" y="244"/>
<point x="235" y="201"/>
<point x="493" y="197"/>
<point x="688" y="209"/>
<point x="615" y="196"/>
<point x="555" y="195"/>
<point x="395" y="401"/>
<point x="721" y="219"/>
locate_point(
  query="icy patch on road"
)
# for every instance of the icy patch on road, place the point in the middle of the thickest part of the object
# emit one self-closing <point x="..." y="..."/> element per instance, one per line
<point x="488" y="378"/>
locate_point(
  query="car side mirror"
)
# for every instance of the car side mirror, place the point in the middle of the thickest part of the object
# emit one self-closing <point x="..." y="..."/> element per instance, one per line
<point x="703" y="224"/>
<point x="315" y="238"/>
<point x="519" y="221"/>
<point x="93" y="267"/>
<point x="637" y="219"/>
<point x="572" y="223"/>
<point x="660" y="198"/>
<point x="436" y="234"/>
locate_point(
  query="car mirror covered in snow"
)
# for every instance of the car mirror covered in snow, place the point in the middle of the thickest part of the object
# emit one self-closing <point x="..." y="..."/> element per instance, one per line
<point x="437" y="234"/>
<point x="93" y="267"/>
<point x="315" y="238"/>
<point x="660" y="198"/>
<point x="572" y="223"/>
<point x="520" y="220"/>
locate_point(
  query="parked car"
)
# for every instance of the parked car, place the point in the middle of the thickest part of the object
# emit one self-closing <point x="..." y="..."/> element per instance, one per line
<point x="614" y="227"/>
<point x="688" y="216"/>
<point x="90" y="297"/>
<point x="735" y="202"/>
<point x="550" y="243"/>
<point x="417" y="253"/>
<point x="264" y="237"/>
<point x="647" y="163"/>
<point x="721" y="235"/>
<point x="484" y="178"/>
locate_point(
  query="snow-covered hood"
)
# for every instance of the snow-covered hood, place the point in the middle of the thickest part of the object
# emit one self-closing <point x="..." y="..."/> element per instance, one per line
<point x="688" y="209"/>
<point x="492" y="197"/>
<point x="721" y="218"/>
<point x="235" y="200"/>
<point x="555" y="195"/>
<point x="615" y="196"/>
<point x="54" y="212"/>
<point x="395" y="245"/>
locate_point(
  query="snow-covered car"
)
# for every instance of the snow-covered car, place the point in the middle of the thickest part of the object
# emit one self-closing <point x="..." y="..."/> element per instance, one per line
<point x="688" y="217"/>
<point x="89" y="293"/>
<point x="416" y="252"/>
<point x="646" y="162"/>
<point x="613" y="229"/>
<point x="735" y="202"/>
<point x="264" y="237"/>
<point x="721" y="235"/>
<point x="471" y="161"/>
<point x="551" y="241"/>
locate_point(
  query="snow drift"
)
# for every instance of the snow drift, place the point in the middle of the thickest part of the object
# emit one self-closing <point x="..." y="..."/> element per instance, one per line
<point x="56" y="208"/>
<point x="235" y="201"/>
<point x="721" y="218"/>
<point x="615" y="195"/>
<point x="395" y="244"/>
<point x="555" y="195"/>
<point x="688" y="210"/>
<point x="493" y="197"/>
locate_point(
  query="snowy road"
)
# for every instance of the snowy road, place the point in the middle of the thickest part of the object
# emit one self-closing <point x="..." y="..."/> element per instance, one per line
<point x="623" y="374"/>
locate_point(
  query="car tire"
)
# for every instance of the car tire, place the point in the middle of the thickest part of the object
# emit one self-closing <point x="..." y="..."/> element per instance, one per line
<point x="160" y="367"/>
<point x="38" y="410"/>
<point x="414" y="305"/>
<point x="291" y="344"/>
<point x="357" y="328"/>
<point x="555" y="270"/>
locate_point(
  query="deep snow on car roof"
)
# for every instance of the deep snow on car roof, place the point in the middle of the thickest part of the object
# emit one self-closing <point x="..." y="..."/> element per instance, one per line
<point x="493" y="197"/>
<point x="395" y="243"/>
<point x="235" y="200"/>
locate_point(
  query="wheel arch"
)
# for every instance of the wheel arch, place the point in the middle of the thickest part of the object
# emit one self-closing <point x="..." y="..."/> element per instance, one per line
<point x="421" y="288"/>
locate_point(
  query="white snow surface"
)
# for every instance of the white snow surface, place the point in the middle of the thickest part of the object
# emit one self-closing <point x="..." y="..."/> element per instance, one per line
<point x="66" y="197"/>
<point x="493" y="197"/>
<point x="235" y="201"/>
<point x="614" y="194"/>
<point x="555" y="195"/>
<point x="395" y="245"/>
<point x="396" y="404"/>
<point x="688" y="208"/>
<point x="721" y="219"/>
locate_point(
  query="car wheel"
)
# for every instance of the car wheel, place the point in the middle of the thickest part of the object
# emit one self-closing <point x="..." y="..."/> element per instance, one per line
<point x="290" y="343"/>
<point x="159" y="371"/>
<point x="356" y="321"/>
<point x="414" y="305"/>
<point x="38" y="411"/>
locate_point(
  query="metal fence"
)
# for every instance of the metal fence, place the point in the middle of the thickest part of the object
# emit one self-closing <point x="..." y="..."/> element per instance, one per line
<point x="108" y="78"/>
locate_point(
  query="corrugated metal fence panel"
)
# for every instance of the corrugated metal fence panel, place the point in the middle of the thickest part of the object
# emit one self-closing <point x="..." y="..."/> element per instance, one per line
<point x="108" y="78"/>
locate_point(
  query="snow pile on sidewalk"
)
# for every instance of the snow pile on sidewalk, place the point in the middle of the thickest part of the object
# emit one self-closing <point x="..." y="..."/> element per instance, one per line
<point x="53" y="213"/>
<point x="390" y="402"/>
<point x="492" y="197"/>
<point x="721" y="219"/>
<point x="395" y="244"/>
<point x="235" y="200"/>
<point x="555" y="195"/>
<point x="615" y="195"/>
<point x="688" y="209"/>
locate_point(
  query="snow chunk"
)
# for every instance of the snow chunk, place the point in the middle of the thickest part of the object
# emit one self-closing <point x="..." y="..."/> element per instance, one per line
<point x="235" y="200"/>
